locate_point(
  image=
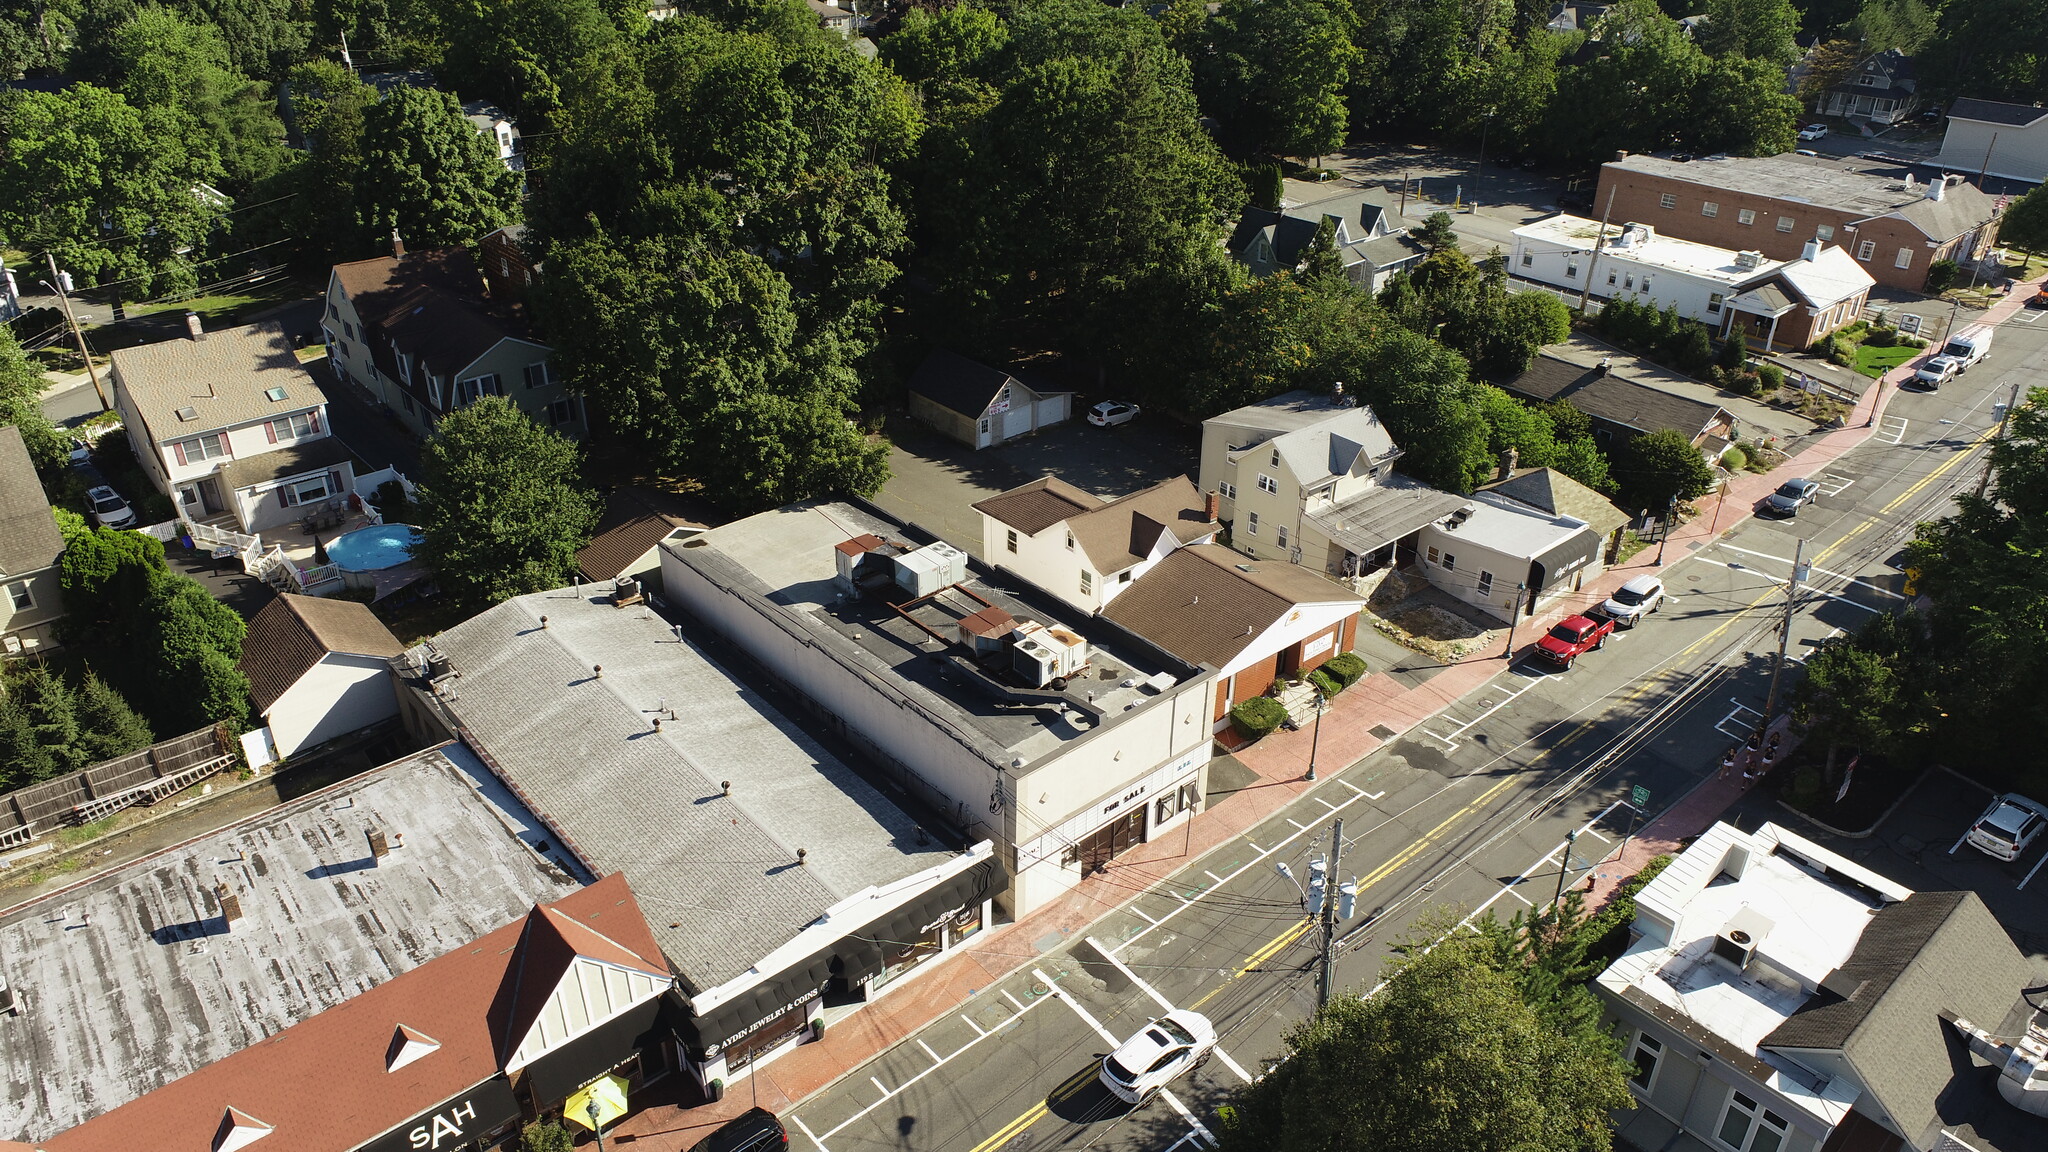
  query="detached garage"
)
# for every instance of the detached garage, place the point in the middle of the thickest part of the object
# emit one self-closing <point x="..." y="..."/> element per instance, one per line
<point x="979" y="405"/>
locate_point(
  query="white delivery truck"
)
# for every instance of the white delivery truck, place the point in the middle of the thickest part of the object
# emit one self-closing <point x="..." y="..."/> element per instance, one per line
<point x="1963" y="349"/>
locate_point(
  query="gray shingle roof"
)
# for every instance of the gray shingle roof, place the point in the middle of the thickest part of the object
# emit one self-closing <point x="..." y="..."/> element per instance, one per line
<point x="1206" y="603"/>
<point x="1551" y="491"/>
<point x="29" y="539"/>
<point x="1611" y="397"/>
<point x="716" y="874"/>
<point x="1125" y="530"/>
<point x="1996" y="112"/>
<point x="1930" y="953"/>
<point x="221" y="379"/>
<point x="1034" y="507"/>
<point x="243" y="471"/>
<point x="968" y="387"/>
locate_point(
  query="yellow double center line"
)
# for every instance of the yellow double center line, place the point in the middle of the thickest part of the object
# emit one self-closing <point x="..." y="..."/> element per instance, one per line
<point x="1037" y="1111"/>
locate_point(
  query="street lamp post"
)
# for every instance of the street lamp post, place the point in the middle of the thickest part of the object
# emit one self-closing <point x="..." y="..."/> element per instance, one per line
<point x="1670" y="514"/>
<point x="1479" y="180"/>
<point x="1315" y="738"/>
<point x="596" y="1125"/>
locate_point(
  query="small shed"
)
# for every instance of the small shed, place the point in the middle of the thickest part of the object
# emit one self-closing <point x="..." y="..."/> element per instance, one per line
<point x="981" y="406"/>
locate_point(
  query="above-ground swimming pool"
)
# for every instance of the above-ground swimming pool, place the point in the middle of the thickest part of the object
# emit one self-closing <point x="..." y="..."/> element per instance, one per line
<point x="374" y="548"/>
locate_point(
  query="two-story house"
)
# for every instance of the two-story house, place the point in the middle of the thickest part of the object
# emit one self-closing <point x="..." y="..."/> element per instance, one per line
<point x="230" y="425"/>
<point x="420" y="334"/>
<point x="1776" y="996"/>
<point x="1084" y="549"/>
<point x="1309" y="478"/>
<point x="1993" y="138"/>
<point x="31" y="597"/>
<point x="1881" y="89"/>
<point x="1370" y="239"/>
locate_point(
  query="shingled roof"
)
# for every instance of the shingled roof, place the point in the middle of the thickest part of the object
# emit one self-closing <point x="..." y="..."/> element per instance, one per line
<point x="223" y="379"/>
<point x="293" y="633"/>
<point x="29" y="539"/>
<point x="1551" y="491"/>
<point x="1206" y="603"/>
<point x="1608" y="396"/>
<point x="1125" y="530"/>
<point x="1034" y="507"/>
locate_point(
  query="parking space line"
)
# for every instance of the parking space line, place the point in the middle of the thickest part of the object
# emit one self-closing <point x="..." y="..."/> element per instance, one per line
<point x="1959" y="842"/>
<point x="1888" y="433"/>
<point x="928" y="1049"/>
<point x="880" y="1085"/>
<point x="1163" y="1002"/>
<point x="1452" y="743"/>
<point x="1141" y="912"/>
<point x="1212" y="876"/>
<point x="1325" y="803"/>
<point x="1297" y="823"/>
<point x="1522" y="898"/>
<point x="1174" y="1103"/>
<point x="1013" y="999"/>
<point x="1742" y="727"/>
<point x="1832" y="485"/>
<point x="1787" y="561"/>
<point x="969" y="1021"/>
<point x="887" y="1095"/>
<point x="808" y="1134"/>
<point x="2031" y="871"/>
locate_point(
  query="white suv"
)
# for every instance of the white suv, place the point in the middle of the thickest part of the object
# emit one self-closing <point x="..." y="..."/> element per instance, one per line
<point x="1633" y="601"/>
<point x="1161" y="1051"/>
<point x="2007" y="827"/>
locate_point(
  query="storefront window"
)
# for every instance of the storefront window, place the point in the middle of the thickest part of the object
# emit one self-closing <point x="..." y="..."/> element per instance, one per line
<point x="900" y="956"/>
<point x="770" y="1035"/>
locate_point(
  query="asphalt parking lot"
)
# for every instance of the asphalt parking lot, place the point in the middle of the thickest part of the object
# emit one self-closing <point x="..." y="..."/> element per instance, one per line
<point x="1919" y="844"/>
<point x="934" y="481"/>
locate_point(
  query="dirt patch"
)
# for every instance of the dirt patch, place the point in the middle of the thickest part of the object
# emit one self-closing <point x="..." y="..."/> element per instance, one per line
<point x="1410" y="610"/>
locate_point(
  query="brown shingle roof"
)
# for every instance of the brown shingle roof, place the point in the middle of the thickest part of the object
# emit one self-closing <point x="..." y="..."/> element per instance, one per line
<point x="431" y="305"/>
<point x="1034" y="507"/>
<point x="1122" y="532"/>
<point x="323" y="1084"/>
<point x="29" y="539"/>
<point x="1205" y="603"/>
<point x="610" y="551"/>
<point x="292" y="633"/>
<point x="221" y="379"/>
<point x="310" y="456"/>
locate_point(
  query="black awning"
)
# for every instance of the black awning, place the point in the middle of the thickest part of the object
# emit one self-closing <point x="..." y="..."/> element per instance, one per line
<point x="853" y="958"/>
<point x="1572" y="554"/>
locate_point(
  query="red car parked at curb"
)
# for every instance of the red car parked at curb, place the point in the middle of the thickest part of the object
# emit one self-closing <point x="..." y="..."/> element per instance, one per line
<point x="1572" y="636"/>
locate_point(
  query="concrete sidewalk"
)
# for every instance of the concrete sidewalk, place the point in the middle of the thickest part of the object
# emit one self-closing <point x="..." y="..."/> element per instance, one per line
<point x="1376" y="710"/>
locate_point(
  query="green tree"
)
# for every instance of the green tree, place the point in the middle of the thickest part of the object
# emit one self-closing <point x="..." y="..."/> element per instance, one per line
<point x="21" y="391"/>
<point x="35" y="37"/>
<point x="946" y="47"/>
<point x="105" y="575"/>
<point x="1749" y="113"/>
<point x="265" y="38"/>
<point x="311" y="202"/>
<point x="1659" y="466"/>
<point x="1994" y="49"/>
<point x="2025" y="222"/>
<point x="198" y="642"/>
<point x="113" y="727"/>
<point x="501" y="511"/>
<point x="113" y="191"/>
<point x="1859" y="691"/>
<point x="1275" y="73"/>
<point x="428" y="174"/>
<point x="1880" y="25"/>
<point x="520" y="52"/>
<point x="1528" y="322"/>
<point x="178" y="68"/>
<point x="1457" y="1060"/>
<point x="52" y="710"/>
<point x="1437" y="233"/>
<point x="1756" y="29"/>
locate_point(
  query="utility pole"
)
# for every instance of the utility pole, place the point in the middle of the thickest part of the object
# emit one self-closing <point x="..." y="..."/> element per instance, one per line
<point x="1325" y="977"/>
<point x="1984" y="168"/>
<point x="1984" y="481"/>
<point x="63" y="297"/>
<point x="1785" y="628"/>
<point x="1402" y="212"/>
<point x="1514" y="618"/>
<point x="1599" y="242"/>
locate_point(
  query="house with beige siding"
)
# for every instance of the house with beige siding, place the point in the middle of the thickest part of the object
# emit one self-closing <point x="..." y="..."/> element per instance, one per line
<point x="420" y="333"/>
<point x="1087" y="550"/>
<point x="231" y="426"/>
<point x="31" y="599"/>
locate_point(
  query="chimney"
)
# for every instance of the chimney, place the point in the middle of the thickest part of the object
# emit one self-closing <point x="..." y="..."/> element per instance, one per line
<point x="1606" y="365"/>
<point x="1621" y="155"/>
<point x="397" y="245"/>
<point x="1508" y="460"/>
<point x="1212" y="506"/>
<point x="1936" y="187"/>
<point x="1811" y="252"/>
<point x="195" y="326"/>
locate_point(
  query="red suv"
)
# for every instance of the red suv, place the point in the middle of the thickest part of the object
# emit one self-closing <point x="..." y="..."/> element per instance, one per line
<point x="1573" y="635"/>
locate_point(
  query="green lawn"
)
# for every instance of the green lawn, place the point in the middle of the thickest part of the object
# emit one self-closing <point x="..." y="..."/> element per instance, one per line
<point x="217" y="310"/>
<point x="1875" y="362"/>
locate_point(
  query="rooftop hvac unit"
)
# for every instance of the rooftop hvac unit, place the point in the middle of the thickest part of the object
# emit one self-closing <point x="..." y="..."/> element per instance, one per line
<point x="1747" y="260"/>
<point x="931" y="568"/>
<point x="1043" y="655"/>
<point x="1739" y="939"/>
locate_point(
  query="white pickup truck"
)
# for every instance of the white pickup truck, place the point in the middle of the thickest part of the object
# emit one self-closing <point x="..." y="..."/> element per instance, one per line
<point x="1963" y="349"/>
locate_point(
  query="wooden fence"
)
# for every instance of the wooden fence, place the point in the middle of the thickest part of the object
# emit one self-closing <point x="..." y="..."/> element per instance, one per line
<point x="143" y="777"/>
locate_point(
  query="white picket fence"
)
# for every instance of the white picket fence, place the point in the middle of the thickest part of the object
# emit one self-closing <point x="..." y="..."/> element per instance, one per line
<point x="367" y="485"/>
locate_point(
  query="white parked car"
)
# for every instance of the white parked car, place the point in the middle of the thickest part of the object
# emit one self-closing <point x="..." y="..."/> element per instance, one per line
<point x="108" y="509"/>
<point x="1112" y="412"/>
<point x="1813" y="132"/>
<point x="2008" y="826"/>
<point x="1937" y="371"/>
<point x="1161" y="1051"/>
<point x="1633" y="601"/>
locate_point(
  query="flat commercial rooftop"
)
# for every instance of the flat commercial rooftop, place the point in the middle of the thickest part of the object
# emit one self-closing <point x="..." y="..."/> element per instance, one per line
<point x="788" y="555"/>
<point x="1658" y="251"/>
<point x="717" y="873"/>
<point x="1871" y="188"/>
<point x="134" y="978"/>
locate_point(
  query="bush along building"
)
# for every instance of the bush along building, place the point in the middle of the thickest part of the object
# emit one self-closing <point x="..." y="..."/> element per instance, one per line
<point x="642" y="754"/>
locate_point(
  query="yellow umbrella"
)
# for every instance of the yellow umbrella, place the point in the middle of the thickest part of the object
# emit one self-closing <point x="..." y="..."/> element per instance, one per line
<point x="596" y="1104"/>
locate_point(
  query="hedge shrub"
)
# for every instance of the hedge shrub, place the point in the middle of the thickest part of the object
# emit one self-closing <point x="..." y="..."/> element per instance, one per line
<point x="1346" y="668"/>
<point x="1257" y="717"/>
<point x="1325" y="683"/>
<point x="1772" y="375"/>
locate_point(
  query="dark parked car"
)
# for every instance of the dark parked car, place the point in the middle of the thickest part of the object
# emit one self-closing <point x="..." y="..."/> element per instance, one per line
<point x="755" y="1130"/>
<point x="1790" y="495"/>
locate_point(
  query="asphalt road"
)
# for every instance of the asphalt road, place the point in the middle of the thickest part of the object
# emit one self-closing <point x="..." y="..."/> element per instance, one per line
<point x="1470" y="812"/>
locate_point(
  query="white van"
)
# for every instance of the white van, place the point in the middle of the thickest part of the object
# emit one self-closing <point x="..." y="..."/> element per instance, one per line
<point x="1968" y="346"/>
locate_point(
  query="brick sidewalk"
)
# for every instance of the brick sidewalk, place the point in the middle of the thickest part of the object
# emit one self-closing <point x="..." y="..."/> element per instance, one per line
<point x="1280" y="760"/>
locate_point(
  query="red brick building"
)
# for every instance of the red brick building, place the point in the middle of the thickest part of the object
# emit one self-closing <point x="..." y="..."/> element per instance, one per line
<point x="1893" y="224"/>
